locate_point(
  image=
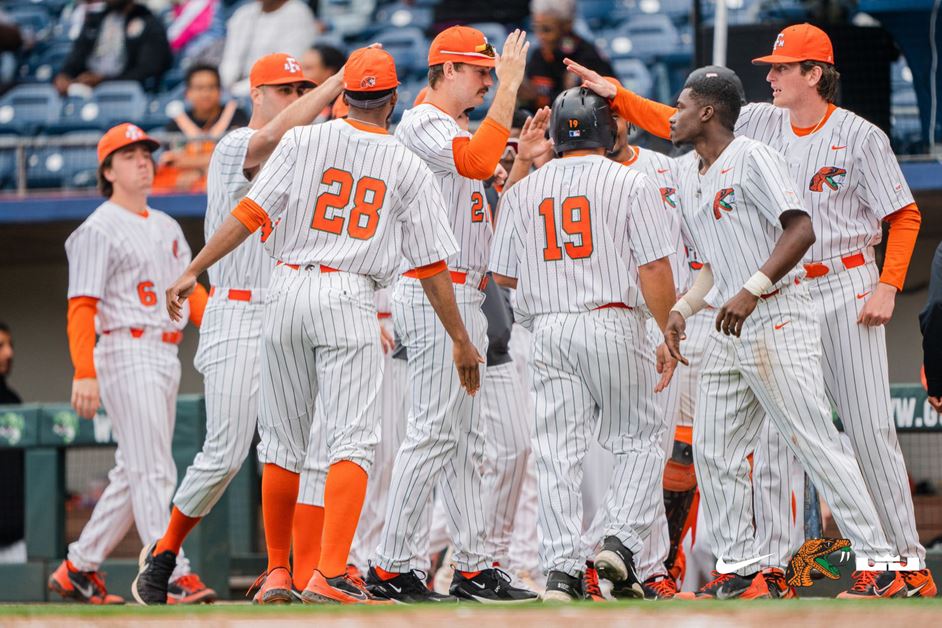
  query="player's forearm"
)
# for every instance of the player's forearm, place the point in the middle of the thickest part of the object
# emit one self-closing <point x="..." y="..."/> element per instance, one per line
<point x="791" y="247"/>
<point x="441" y="294"/>
<point x="301" y="112"/>
<point x="646" y="114"/>
<point x="900" y="242"/>
<point x="656" y="280"/>
<point x="231" y="233"/>
<point x="505" y="102"/>
<point x="505" y="281"/>
<point x="694" y="299"/>
<point x="518" y="171"/>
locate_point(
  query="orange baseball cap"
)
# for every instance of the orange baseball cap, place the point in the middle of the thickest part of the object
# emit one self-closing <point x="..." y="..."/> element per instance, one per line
<point x="420" y="97"/>
<point x="370" y="70"/>
<point x="462" y="44"/>
<point x="277" y="69"/>
<point x="123" y="135"/>
<point x="800" y="42"/>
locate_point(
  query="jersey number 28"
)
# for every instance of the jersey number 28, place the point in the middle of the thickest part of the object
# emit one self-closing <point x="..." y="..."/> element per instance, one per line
<point x="576" y="222"/>
<point x="368" y="196"/>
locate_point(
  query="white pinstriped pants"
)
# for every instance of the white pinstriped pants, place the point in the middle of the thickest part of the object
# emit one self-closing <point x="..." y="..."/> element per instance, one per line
<point x="593" y="378"/>
<point x="319" y="342"/>
<point x="393" y="408"/>
<point x="138" y="380"/>
<point x="774" y="368"/>
<point x="228" y="358"/>
<point x="857" y="381"/>
<point x="444" y="443"/>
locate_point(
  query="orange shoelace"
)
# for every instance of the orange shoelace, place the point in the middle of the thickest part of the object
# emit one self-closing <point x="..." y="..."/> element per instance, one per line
<point x="863" y="580"/>
<point x="190" y="582"/>
<point x="591" y="579"/>
<point x="664" y="587"/>
<point x="718" y="579"/>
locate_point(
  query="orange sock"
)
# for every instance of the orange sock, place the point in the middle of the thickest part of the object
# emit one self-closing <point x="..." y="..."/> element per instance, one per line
<point x="308" y="525"/>
<point x="179" y="526"/>
<point x="344" y="491"/>
<point x="383" y="574"/>
<point x="279" y="494"/>
<point x="468" y="574"/>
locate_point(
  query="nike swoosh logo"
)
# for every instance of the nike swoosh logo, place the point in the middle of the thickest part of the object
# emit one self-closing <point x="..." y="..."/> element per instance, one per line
<point x="395" y="588"/>
<point x="725" y="171"/>
<point x="838" y="147"/>
<point x="479" y="584"/>
<point x="87" y="590"/>
<point x="880" y="592"/>
<point x="724" y="567"/>
<point x="780" y="325"/>
<point x="863" y="294"/>
<point x="661" y="170"/>
<point x="912" y="592"/>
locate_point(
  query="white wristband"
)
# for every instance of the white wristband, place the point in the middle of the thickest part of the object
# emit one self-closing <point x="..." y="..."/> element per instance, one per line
<point x="758" y="284"/>
<point x="683" y="308"/>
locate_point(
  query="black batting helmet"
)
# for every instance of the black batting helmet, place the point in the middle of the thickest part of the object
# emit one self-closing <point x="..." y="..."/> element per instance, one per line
<point x="581" y="119"/>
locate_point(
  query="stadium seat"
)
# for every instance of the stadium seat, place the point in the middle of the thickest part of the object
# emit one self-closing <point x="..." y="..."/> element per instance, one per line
<point x="408" y="46"/>
<point x="81" y="162"/>
<point x="495" y="33"/>
<point x="402" y="15"/>
<point x="119" y="101"/>
<point x="27" y="109"/>
<point x="7" y="169"/>
<point x="33" y="20"/>
<point x="645" y="37"/>
<point x="598" y="13"/>
<point x="46" y="61"/>
<point x="45" y="168"/>
<point x="157" y="114"/>
<point x="634" y="75"/>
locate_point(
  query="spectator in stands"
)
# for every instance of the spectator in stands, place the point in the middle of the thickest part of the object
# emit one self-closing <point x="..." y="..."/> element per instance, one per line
<point x="203" y="123"/>
<point x="12" y="512"/>
<point x="930" y="321"/>
<point x="546" y="74"/>
<point x="197" y="32"/>
<point x="260" y="28"/>
<point x="121" y="41"/>
<point x="11" y="40"/>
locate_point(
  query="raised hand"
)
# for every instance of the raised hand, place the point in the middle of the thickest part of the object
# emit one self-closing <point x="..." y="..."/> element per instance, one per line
<point x="533" y="142"/>
<point x="591" y="79"/>
<point x="512" y="60"/>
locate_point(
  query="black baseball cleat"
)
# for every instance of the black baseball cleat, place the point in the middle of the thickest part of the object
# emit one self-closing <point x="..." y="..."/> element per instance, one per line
<point x="616" y="563"/>
<point x="489" y="586"/>
<point x="561" y="587"/>
<point x="153" y="576"/>
<point x="404" y="588"/>
<point x="730" y="586"/>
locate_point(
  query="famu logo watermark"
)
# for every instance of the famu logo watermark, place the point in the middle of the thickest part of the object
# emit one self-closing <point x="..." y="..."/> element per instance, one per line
<point x="65" y="426"/>
<point x="11" y="427"/>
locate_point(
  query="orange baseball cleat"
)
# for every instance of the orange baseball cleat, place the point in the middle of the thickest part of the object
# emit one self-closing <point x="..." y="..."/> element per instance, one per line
<point x="274" y="587"/>
<point x="875" y="584"/>
<point x="919" y="583"/>
<point x="83" y="586"/>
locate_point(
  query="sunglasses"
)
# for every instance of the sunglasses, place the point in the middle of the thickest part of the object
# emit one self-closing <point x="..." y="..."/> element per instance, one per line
<point x="510" y="150"/>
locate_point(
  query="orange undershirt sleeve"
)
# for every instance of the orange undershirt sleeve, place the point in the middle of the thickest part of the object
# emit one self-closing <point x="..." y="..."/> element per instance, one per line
<point x="250" y="214"/>
<point x="649" y="115"/>
<point x="900" y="242"/>
<point x="429" y="270"/>
<point x="81" y="332"/>
<point x="476" y="157"/>
<point x="198" y="299"/>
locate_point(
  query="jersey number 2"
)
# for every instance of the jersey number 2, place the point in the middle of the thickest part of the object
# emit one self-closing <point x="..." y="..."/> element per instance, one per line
<point x="576" y="222"/>
<point x="368" y="196"/>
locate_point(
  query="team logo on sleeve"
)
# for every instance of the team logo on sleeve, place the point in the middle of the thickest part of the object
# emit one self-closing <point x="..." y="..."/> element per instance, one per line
<point x="830" y="176"/>
<point x="176" y="248"/>
<point x="667" y="195"/>
<point x="723" y="200"/>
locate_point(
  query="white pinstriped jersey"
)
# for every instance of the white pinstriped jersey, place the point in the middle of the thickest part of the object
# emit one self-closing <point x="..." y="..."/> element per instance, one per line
<point x="127" y="261"/>
<point x="353" y="200"/>
<point x="846" y="172"/>
<point x="574" y="233"/>
<point x="429" y="132"/>
<point x="663" y="171"/>
<point x="731" y="214"/>
<point x="248" y="267"/>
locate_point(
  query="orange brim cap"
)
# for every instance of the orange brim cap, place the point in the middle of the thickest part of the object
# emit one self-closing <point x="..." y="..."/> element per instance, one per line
<point x="462" y="44"/>
<point x="370" y="70"/>
<point x="124" y="134"/>
<point x="797" y="43"/>
<point x="277" y="69"/>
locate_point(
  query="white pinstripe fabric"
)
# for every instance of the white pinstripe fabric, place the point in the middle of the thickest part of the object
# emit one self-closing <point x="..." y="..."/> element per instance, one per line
<point x="593" y="374"/>
<point x="444" y="444"/>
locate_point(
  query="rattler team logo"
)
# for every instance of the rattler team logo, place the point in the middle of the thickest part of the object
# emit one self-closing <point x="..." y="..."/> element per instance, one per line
<point x="667" y="195"/>
<point x="814" y="556"/>
<point x="292" y="65"/>
<point x="11" y="427"/>
<point x="830" y="176"/>
<point x="367" y="82"/>
<point x="723" y="200"/>
<point x="65" y="425"/>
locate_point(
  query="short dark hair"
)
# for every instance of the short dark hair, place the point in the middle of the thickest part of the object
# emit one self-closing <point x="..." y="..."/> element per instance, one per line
<point x="105" y="186"/>
<point x="437" y="72"/>
<point x="331" y="57"/>
<point x="520" y="116"/>
<point x="201" y="67"/>
<point x="5" y="328"/>
<point x="719" y="93"/>
<point x="830" y="78"/>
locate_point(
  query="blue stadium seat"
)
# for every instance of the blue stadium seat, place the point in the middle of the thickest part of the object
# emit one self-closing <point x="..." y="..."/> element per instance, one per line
<point x="81" y="162"/>
<point x="634" y="75"/>
<point x="409" y="48"/>
<point x="156" y="115"/>
<point x="401" y="15"/>
<point x="495" y="33"/>
<point x="33" y="20"/>
<point x="120" y="101"/>
<point x="598" y="13"/>
<point x="645" y="37"/>
<point x="45" y="168"/>
<point x="29" y="108"/>
<point x="408" y="91"/>
<point x="46" y="61"/>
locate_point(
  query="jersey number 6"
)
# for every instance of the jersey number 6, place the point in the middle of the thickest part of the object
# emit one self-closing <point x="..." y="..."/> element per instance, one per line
<point x="580" y="226"/>
<point x="368" y="196"/>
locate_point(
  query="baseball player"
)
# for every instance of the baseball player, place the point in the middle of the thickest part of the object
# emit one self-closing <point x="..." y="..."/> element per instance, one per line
<point x="353" y="202"/>
<point x="118" y="260"/>
<point x="230" y="337"/>
<point x="444" y="445"/>
<point x="583" y="241"/>
<point x="851" y="182"/>
<point x="741" y="212"/>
